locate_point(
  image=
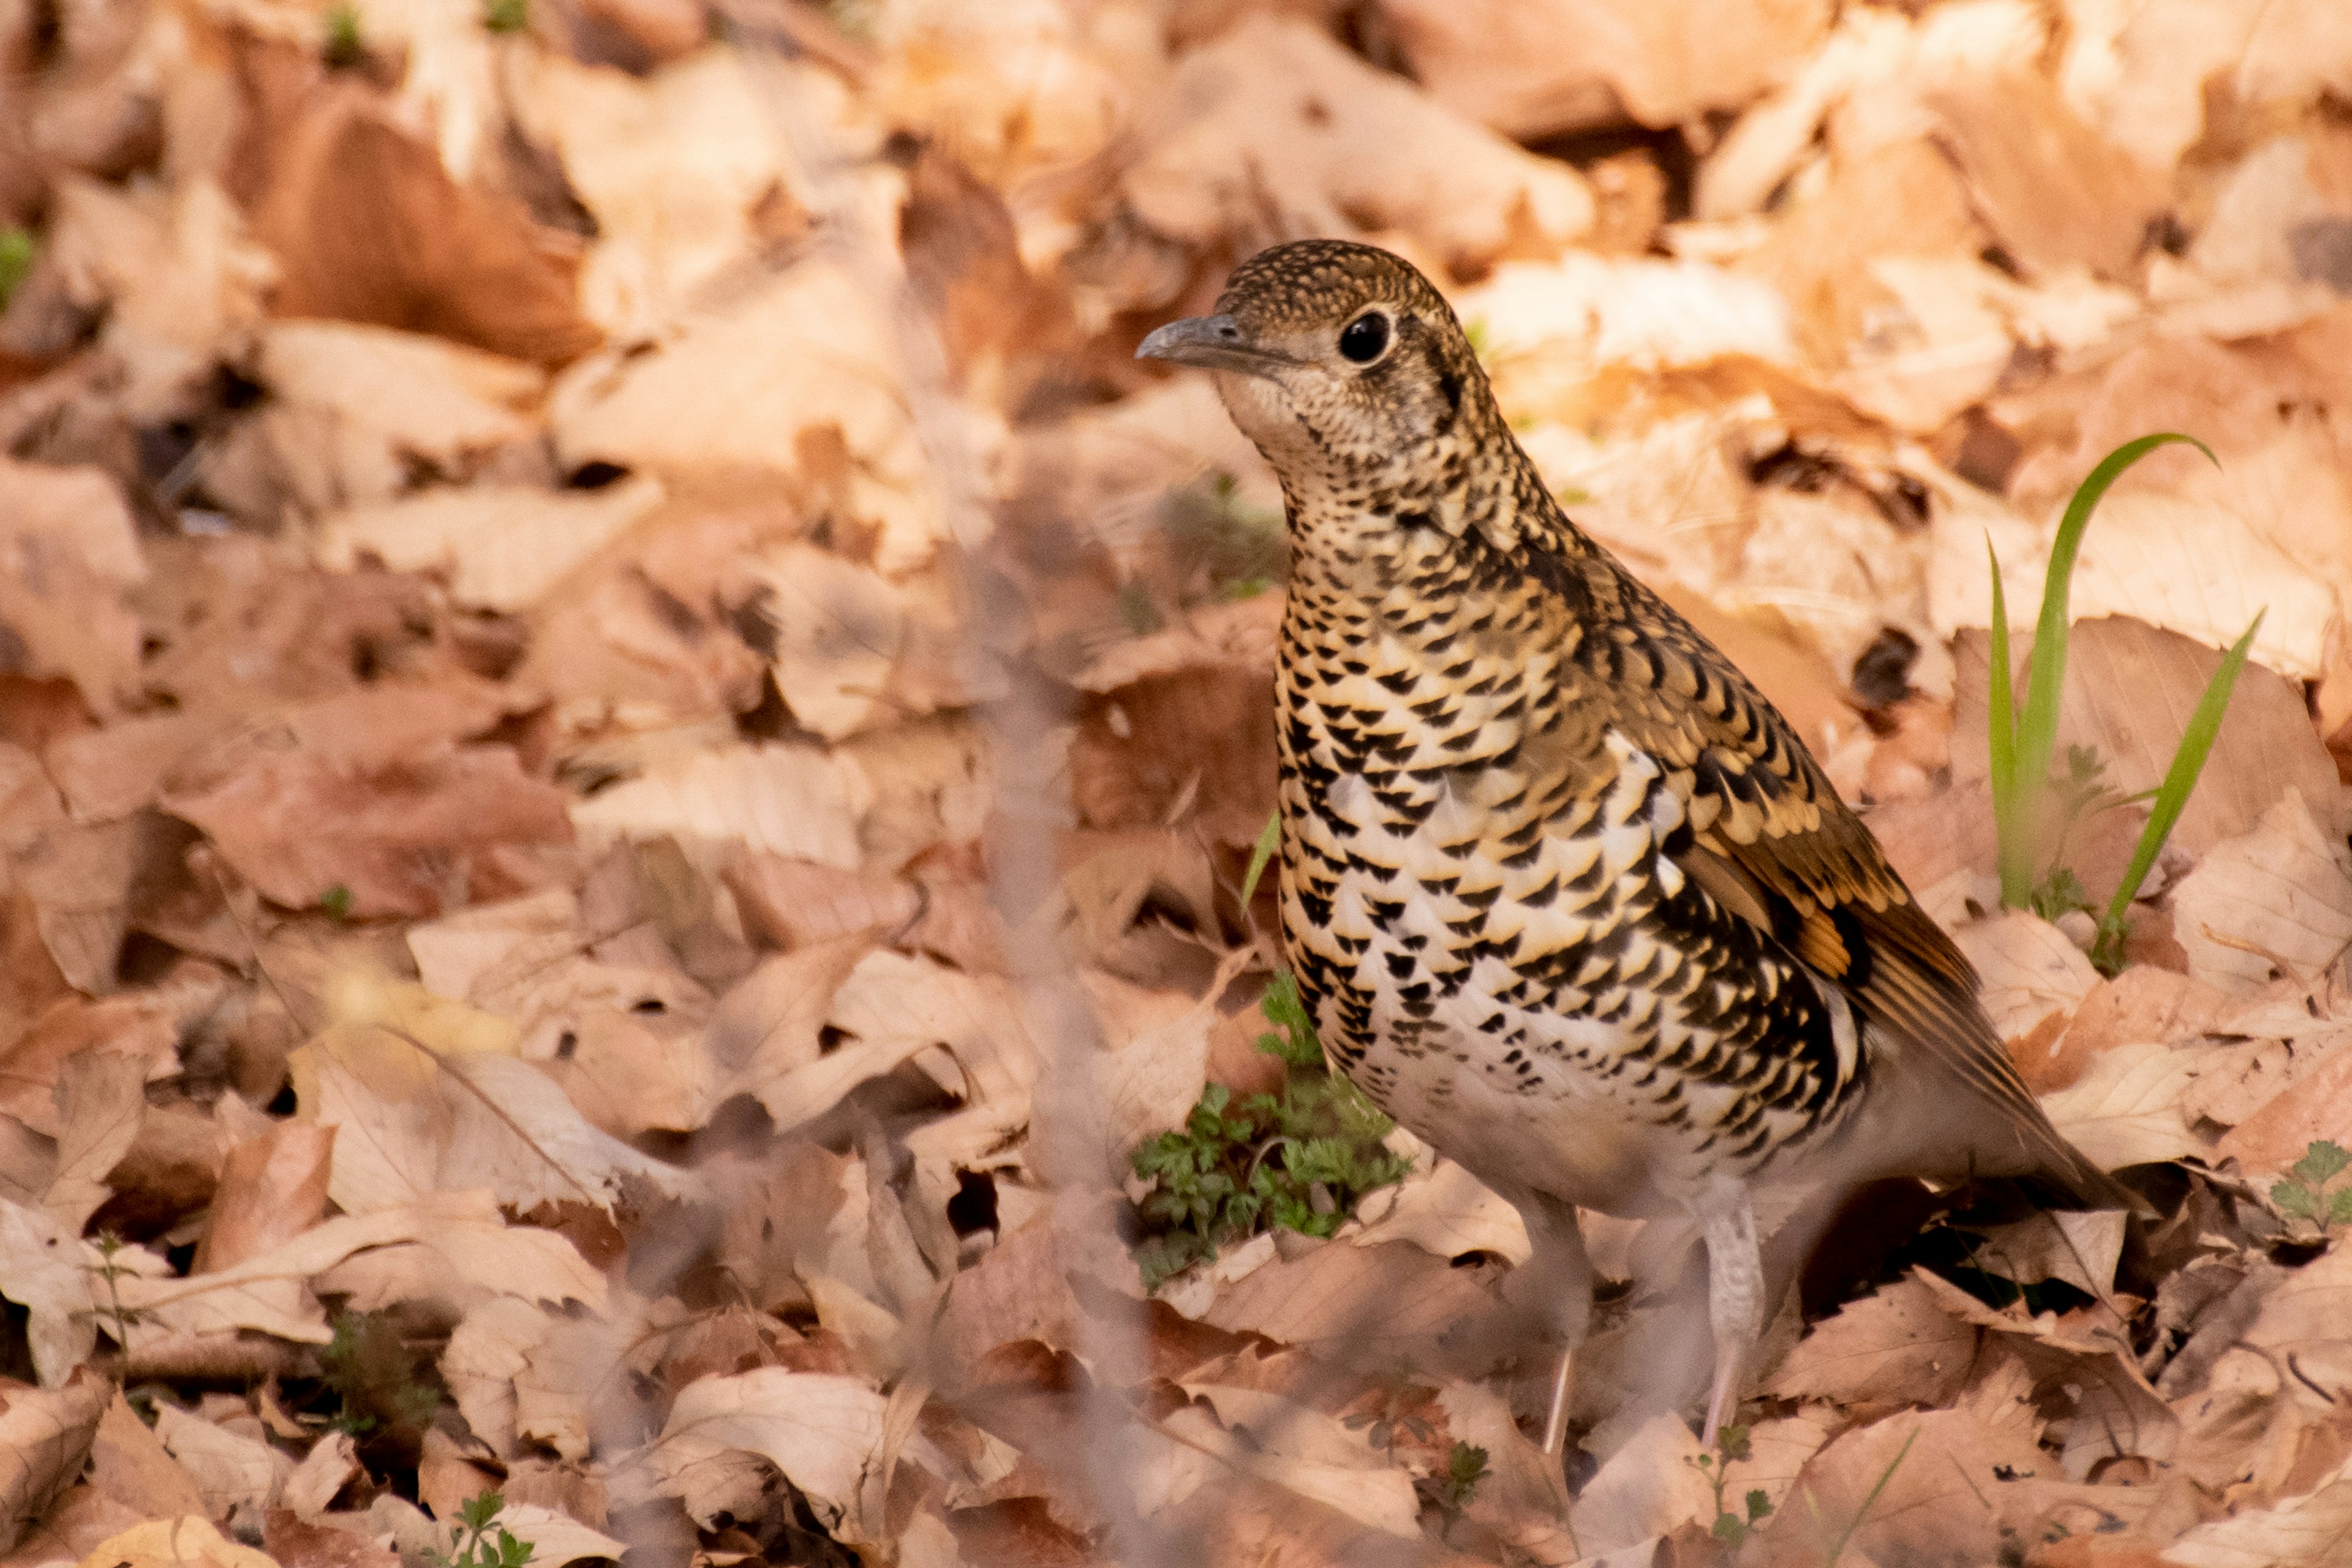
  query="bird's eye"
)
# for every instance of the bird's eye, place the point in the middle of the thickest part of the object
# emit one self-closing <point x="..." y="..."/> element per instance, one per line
<point x="1362" y="339"/>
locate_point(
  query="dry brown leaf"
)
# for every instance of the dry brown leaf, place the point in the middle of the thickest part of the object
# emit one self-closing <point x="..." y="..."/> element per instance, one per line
<point x="2316" y="1106"/>
<point x="681" y="170"/>
<point x="821" y="1431"/>
<point x="2127" y="1108"/>
<point x="500" y="546"/>
<point x="42" y="1270"/>
<point x="131" y="1465"/>
<point x="1533" y="70"/>
<point x="173" y="271"/>
<point x="2079" y="1249"/>
<point x="367" y="225"/>
<point x="2311" y="1527"/>
<point x="2275" y="901"/>
<point x="67" y="558"/>
<point x="331" y="1464"/>
<point x="2029" y="969"/>
<point x="837" y="630"/>
<point x="357" y="407"/>
<point x="2141" y="1004"/>
<point x="45" y="1436"/>
<point x="1275" y="127"/>
<point x="1967" y="1473"/>
<point x="1896" y="1344"/>
<point x="1371" y="1305"/>
<point x="800" y="378"/>
<point x="2130" y="690"/>
<point x="233" y="1472"/>
<point x="1292" y="1447"/>
<point x="2052" y="189"/>
<point x="1441" y="1208"/>
<point x="778" y="799"/>
<point x="102" y="1101"/>
<point x="1647" y="1488"/>
<point x="186" y="1543"/>
<point x="395" y="1253"/>
<point x="402" y="842"/>
<point x="272" y="1189"/>
<point x="329" y="1543"/>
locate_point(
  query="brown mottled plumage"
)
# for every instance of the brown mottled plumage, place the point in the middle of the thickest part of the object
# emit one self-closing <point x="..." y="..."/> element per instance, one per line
<point x="1565" y="894"/>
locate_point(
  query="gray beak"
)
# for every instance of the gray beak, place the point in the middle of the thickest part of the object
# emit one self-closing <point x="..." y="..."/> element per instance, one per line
<point x="1212" y="343"/>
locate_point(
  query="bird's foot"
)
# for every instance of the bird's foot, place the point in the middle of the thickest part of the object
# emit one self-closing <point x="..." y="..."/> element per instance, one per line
<point x="1735" y="1295"/>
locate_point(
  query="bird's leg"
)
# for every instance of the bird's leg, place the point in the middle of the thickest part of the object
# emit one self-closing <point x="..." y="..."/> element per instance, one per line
<point x="1565" y="1272"/>
<point x="1735" y="1294"/>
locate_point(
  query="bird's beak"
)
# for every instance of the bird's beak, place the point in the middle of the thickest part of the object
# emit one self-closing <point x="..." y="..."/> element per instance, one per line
<point x="1212" y="343"/>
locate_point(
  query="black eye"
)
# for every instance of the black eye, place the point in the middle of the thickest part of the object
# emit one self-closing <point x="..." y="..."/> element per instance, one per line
<point x="1362" y="339"/>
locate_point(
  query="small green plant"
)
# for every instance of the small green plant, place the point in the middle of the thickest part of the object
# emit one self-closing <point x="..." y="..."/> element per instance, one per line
<point x="1269" y="840"/>
<point x="505" y="15"/>
<point x="1450" y="1492"/>
<point x="374" y="1374"/>
<point x="1480" y="335"/>
<point x="16" y="248"/>
<point x="1300" y="1158"/>
<point x="337" y="901"/>
<point x="108" y="1244"/>
<point x="1243" y="549"/>
<point x="2025" y="802"/>
<point x="471" y="1542"/>
<point x="1846" y="1537"/>
<point x="346" y="43"/>
<point x="1731" y="1446"/>
<point x="2305" y="1193"/>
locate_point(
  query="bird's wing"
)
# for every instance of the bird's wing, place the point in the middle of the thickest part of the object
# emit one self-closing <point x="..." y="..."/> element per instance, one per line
<point x="1773" y="843"/>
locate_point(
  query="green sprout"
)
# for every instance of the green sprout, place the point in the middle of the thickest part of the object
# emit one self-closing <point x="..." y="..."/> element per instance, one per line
<point x="1730" y="1447"/>
<point x="2305" y="1191"/>
<point x="1300" y="1160"/>
<point x="471" y="1545"/>
<point x="346" y="43"/>
<point x="1269" y="840"/>
<point x="337" y="902"/>
<point x="1450" y="1493"/>
<point x="2021" y="744"/>
<point x="16" y="248"/>
<point x="505" y="15"/>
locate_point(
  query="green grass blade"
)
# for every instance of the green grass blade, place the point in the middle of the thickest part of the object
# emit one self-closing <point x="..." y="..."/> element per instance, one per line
<point x="2180" y="778"/>
<point x="1269" y="840"/>
<point x="2045" y="675"/>
<point x="2001" y="705"/>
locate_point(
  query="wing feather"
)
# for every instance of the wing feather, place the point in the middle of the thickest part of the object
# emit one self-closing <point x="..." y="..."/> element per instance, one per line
<point x="1774" y="844"/>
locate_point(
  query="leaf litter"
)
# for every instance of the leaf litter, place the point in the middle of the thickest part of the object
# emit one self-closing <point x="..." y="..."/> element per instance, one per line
<point x="635" y="764"/>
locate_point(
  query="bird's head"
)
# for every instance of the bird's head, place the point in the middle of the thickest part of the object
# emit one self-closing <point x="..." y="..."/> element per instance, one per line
<point x="1344" y="365"/>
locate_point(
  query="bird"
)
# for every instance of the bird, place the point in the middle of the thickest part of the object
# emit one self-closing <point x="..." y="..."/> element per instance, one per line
<point x="1564" y="894"/>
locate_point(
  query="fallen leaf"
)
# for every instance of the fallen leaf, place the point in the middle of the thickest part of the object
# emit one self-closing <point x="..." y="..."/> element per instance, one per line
<point x="2129" y="692"/>
<point x="1896" y="1344"/>
<point x="186" y="1543"/>
<point x="1312" y="123"/>
<point x="233" y="1471"/>
<point x="45" y="1438"/>
<point x="273" y="1187"/>
<point x="2028" y="968"/>
<point x="1648" y="1488"/>
<point x="1535" y="71"/>
<point x="102" y="1101"/>
<point x="784" y="800"/>
<point x="356" y="406"/>
<point x="500" y="546"/>
<point x="2126" y="1110"/>
<point x="45" y="1274"/>
<point x="2311" y="1108"/>
<point x="70" y="556"/>
<point x="821" y="1431"/>
<point x="2276" y="901"/>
